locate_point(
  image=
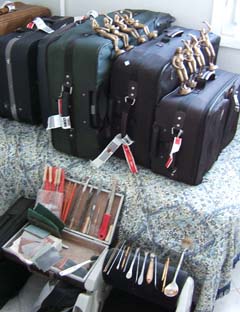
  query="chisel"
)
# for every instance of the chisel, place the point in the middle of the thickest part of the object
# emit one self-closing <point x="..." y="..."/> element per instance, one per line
<point x="107" y="216"/>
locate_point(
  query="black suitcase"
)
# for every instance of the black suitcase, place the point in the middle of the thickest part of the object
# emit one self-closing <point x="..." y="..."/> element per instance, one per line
<point x="19" y="98"/>
<point x="199" y="125"/>
<point x="42" y="72"/>
<point x="139" y="80"/>
<point x="79" y="65"/>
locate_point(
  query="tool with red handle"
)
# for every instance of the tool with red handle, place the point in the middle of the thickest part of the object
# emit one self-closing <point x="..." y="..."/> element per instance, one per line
<point x="103" y="231"/>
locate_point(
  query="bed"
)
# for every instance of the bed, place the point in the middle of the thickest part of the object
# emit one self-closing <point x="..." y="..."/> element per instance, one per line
<point x="157" y="213"/>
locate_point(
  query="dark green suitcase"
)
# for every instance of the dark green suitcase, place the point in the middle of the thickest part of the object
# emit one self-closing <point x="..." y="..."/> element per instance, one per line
<point x="79" y="64"/>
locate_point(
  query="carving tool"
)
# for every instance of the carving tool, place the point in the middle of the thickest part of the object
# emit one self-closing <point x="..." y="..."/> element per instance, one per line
<point x="107" y="216"/>
<point x="140" y="280"/>
<point x="125" y="256"/>
<point x="172" y="289"/>
<point x="109" y="233"/>
<point x="115" y="259"/>
<point x="74" y="268"/>
<point x="155" y="272"/>
<point x="78" y="210"/>
<point x="150" y="271"/>
<point x="111" y="257"/>
<point x="165" y="273"/>
<point x="138" y="261"/>
<point x="88" y="221"/>
<point x="85" y="209"/>
<point x="128" y="258"/>
<point x="119" y="262"/>
<point x="72" y="190"/>
<point x="130" y="271"/>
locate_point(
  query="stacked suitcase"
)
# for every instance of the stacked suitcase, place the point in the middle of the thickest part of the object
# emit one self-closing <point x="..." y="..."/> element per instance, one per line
<point x="107" y="77"/>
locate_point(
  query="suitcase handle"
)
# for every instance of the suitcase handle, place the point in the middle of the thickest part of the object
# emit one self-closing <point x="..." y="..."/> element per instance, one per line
<point x="155" y="136"/>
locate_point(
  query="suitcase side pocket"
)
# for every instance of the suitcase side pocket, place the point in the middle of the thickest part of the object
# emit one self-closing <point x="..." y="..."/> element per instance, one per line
<point x="232" y="116"/>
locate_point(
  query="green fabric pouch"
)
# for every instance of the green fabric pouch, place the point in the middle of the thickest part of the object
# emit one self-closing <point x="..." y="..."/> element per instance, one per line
<point x="45" y="219"/>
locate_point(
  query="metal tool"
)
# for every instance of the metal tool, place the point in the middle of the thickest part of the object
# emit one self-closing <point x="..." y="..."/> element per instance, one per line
<point x="111" y="257"/>
<point x="119" y="262"/>
<point x="125" y="256"/>
<point x="127" y="259"/>
<point x="172" y="289"/>
<point x="138" y="262"/>
<point x="107" y="216"/>
<point x="115" y="259"/>
<point x="155" y="271"/>
<point x="81" y="223"/>
<point x="93" y="207"/>
<point x="150" y="272"/>
<point x="77" y="212"/>
<point x="75" y="268"/>
<point x="141" y="277"/>
<point x="165" y="273"/>
<point x="130" y="271"/>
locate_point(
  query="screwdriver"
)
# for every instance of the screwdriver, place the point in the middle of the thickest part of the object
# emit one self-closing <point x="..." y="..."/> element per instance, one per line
<point x="107" y="216"/>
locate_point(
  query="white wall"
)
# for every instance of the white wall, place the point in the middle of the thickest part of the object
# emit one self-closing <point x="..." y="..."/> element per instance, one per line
<point x="189" y="13"/>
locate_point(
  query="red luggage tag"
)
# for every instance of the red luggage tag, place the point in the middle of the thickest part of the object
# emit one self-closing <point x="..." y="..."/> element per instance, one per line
<point x="130" y="159"/>
<point x="177" y="141"/>
<point x="30" y="25"/>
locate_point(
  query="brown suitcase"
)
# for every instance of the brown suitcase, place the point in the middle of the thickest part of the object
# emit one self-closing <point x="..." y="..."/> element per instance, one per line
<point x="10" y="20"/>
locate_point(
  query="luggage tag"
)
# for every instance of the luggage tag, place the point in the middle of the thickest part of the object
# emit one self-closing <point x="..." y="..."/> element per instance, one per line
<point x="40" y="24"/>
<point x="129" y="157"/>
<point x="59" y="121"/>
<point x="177" y="142"/>
<point x="110" y="149"/>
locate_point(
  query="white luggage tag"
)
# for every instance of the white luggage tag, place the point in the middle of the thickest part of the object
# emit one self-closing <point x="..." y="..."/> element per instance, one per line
<point x="40" y="24"/>
<point x="110" y="149"/>
<point x="59" y="121"/>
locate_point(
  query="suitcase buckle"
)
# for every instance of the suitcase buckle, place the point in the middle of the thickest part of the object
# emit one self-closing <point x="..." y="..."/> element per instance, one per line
<point x="129" y="100"/>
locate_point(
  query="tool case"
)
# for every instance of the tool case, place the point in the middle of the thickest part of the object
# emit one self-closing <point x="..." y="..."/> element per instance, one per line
<point x="190" y="131"/>
<point x="79" y="64"/>
<point x="18" y="14"/>
<point x="139" y="79"/>
<point x="18" y="65"/>
<point x="77" y="248"/>
<point x="13" y="275"/>
<point x="151" y="292"/>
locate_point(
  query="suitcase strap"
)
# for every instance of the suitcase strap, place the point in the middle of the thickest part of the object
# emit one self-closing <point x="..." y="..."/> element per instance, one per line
<point x="129" y="101"/>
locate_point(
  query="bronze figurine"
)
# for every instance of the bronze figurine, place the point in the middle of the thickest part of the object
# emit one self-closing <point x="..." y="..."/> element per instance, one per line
<point x="207" y="45"/>
<point x="191" y="62"/>
<point x="136" y="24"/>
<point x="108" y="23"/>
<point x="198" y="54"/>
<point x="178" y="64"/>
<point x="105" y="32"/>
<point x="119" y="20"/>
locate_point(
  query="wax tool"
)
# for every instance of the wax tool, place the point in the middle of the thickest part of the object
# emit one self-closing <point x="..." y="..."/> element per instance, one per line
<point x="172" y="289"/>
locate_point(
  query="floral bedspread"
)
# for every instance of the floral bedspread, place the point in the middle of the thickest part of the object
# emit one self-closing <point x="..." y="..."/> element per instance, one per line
<point x="157" y="212"/>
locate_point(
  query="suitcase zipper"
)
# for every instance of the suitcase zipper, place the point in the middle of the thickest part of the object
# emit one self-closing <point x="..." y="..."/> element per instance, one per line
<point x="204" y="118"/>
<point x="12" y="99"/>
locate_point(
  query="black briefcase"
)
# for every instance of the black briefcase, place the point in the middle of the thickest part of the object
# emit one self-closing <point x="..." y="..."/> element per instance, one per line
<point x="196" y="126"/>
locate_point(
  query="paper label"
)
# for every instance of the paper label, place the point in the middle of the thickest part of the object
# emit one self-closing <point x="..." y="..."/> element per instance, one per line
<point x="110" y="149"/>
<point x="57" y="121"/>
<point x="175" y="148"/>
<point x="40" y="24"/>
<point x="130" y="159"/>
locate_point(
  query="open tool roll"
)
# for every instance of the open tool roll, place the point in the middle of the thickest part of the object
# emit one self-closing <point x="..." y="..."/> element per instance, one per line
<point x="115" y="273"/>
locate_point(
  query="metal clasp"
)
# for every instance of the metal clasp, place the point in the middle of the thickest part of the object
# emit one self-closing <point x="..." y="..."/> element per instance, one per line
<point x="127" y="99"/>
